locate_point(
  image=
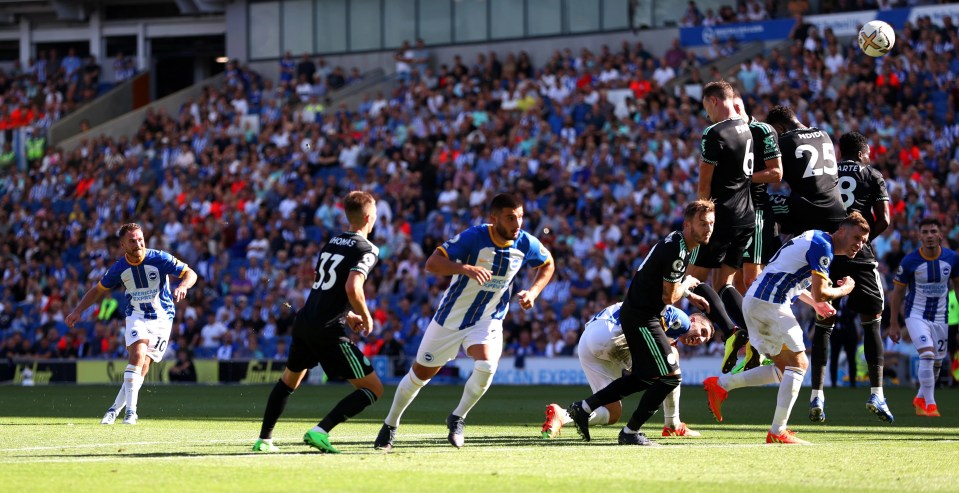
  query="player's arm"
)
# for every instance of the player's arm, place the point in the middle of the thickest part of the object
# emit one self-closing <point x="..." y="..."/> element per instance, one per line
<point x="880" y="210"/>
<point x="898" y="294"/>
<point x="675" y="290"/>
<point x="187" y="280"/>
<point x="357" y="298"/>
<point x="705" y="180"/>
<point x="543" y="274"/>
<point x="824" y="309"/>
<point x="773" y="172"/>
<point x="92" y="296"/>
<point x="822" y="291"/>
<point x="441" y="265"/>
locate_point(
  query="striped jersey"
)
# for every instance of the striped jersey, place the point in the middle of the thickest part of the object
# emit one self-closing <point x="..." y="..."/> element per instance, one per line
<point x="927" y="283"/>
<point x="791" y="268"/>
<point x="675" y="321"/>
<point x="607" y="342"/>
<point x="146" y="284"/>
<point x="466" y="302"/>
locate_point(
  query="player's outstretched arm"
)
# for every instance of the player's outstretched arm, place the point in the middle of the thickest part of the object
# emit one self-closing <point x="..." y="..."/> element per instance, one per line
<point x="824" y="309"/>
<point x="440" y="265"/>
<point x="187" y="280"/>
<point x="543" y="274"/>
<point x="898" y="294"/>
<point x="357" y="298"/>
<point x="92" y="296"/>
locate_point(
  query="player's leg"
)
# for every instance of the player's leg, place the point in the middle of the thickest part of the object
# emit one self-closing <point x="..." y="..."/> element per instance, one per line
<point x="346" y="361"/>
<point x="791" y="360"/>
<point x="821" y="338"/>
<point x="438" y="346"/>
<point x="920" y="332"/>
<point x="302" y="357"/>
<point x="867" y="299"/>
<point x="836" y="346"/>
<point x="673" y="425"/>
<point x="939" y="334"/>
<point x="653" y="361"/>
<point x="483" y="343"/>
<point x="133" y="377"/>
<point x="599" y="373"/>
<point x="759" y="315"/>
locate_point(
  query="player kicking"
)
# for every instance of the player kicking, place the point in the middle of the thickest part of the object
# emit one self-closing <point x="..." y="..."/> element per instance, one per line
<point x="661" y="280"/>
<point x="604" y="356"/>
<point x="863" y="190"/>
<point x="336" y="303"/>
<point x="143" y="273"/>
<point x="923" y="280"/>
<point x="483" y="261"/>
<point x="773" y="328"/>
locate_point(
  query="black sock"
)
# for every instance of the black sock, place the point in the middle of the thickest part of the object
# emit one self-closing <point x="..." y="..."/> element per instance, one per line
<point x="717" y="313"/>
<point x="620" y="388"/>
<point x="348" y="407"/>
<point x="733" y="303"/>
<point x="820" y="348"/>
<point x="651" y="400"/>
<point x="872" y="347"/>
<point x="274" y="408"/>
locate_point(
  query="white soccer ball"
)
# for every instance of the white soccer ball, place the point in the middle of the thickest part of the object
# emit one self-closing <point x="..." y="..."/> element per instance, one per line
<point x="876" y="38"/>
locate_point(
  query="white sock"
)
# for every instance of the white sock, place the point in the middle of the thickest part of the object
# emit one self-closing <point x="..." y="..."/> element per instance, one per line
<point x="134" y="381"/>
<point x="788" y="391"/>
<point x="476" y="385"/>
<point x="761" y="375"/>
<point x="318" y="429"/>
<point x="629" y="430"/>
<point x="599" y="417"/>
<point x="671" y="409"/>
<point x="935" y="371"/>
<point x="405" y="393"/>
<point x="927" y="382"/>
<point x="585" y="406"/>
<point x="565" y="417"/>
<point x="878" y="392"/>
<point x="817" y="393"/>
<point x="121" y="399"/>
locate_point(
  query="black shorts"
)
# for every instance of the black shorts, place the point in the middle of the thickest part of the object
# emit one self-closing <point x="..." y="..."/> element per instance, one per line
<point x="340" y="358"/>
<point x="648" y="344"/>
<point x="866" y="298"/>
<point x="727" y="246"/>
<point x="764" y="241"/>
<point x="796" y="216"/>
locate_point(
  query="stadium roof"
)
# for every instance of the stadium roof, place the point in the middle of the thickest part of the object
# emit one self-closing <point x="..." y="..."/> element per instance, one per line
<point x="11" y="11"/>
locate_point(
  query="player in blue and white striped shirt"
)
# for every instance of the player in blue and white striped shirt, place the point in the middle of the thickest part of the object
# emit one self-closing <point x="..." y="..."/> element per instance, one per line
<point x="801" y="263"/>
<point x="923" y="279"/>
<point x="483" y="261"/>
<point x="143" y="273"/>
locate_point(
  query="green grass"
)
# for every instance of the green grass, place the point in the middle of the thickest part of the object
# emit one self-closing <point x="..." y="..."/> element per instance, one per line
<point x="199" y="439"/>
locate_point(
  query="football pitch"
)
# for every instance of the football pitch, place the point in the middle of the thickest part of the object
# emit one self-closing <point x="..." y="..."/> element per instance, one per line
<point x="198" y="438"/>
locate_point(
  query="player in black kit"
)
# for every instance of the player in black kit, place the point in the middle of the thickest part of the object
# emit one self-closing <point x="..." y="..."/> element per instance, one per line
<point x="661" y="280"/>
<point x="810" y="169"/>
<point x="863" y="190"/>
<point x="336" y="303"/>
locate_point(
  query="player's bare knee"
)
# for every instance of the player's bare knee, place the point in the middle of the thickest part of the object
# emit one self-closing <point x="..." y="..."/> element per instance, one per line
<point x="424" y="373"/>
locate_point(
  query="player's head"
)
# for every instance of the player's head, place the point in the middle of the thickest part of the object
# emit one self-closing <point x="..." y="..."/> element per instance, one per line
<point x="718" y="100"/>
<point x="782" y="119"/>
<point x="700" y="330"/>
<point x="930" y="232"/>
<point x="131" y="239"/>
<point x="360" y="208"/>
<point x="855" y="147"/>
<point x="698" y="221"/>
<point x="852" y="235"/>
<point x="506" y="215"/>
<point x="740" y="107"/>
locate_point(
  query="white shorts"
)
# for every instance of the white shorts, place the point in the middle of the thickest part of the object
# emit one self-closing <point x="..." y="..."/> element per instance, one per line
<point x="156" y="333"/>
<point x="928" y="334"/>
<point x="772" y="325"/>
<point x="601" y="358"/>
<point x="440" y="344"/>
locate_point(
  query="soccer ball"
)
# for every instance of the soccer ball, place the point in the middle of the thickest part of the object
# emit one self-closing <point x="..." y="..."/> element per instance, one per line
<point x="876" y="38"/>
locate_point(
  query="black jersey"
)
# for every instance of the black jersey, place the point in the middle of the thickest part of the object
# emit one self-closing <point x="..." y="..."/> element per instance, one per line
<point x="667" y="262"/>
<point x="766" y="140"/>
<point x="327" y="303"/>
<point x="861" y="187"/>
<point x="810" y="169"/>
<point x="728" y="145"/>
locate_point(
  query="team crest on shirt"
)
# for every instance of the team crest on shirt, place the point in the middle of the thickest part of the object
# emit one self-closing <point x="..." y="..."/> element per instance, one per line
<point x="945" y="271"/>
<point x="133" y="333"/>
<point x="514" y="263"/>
<point x="428" y="357"/>
<point x="678" y="265"/>
<point x="923" y="338"/>
<point x="824" y="262"/>
<point x="899" y="271"/>
<point x="152" y="275"/>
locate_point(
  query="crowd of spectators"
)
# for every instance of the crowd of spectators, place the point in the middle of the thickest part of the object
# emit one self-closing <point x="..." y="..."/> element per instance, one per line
<point x="50" y="85"/>
<point x="245" y="183"/>
<point x="760" y="10"/>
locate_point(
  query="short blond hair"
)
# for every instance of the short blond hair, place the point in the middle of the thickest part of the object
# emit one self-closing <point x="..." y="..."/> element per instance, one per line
<point x="697" y="207"/>
<point x="856" y="219"/>
<point x="126" y="228"/>
<point x="355" y="206"/>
